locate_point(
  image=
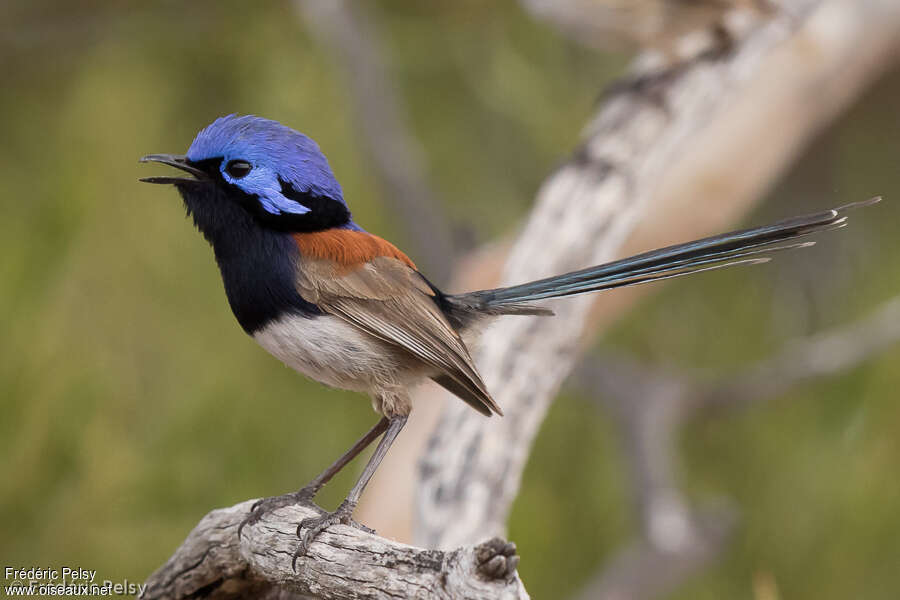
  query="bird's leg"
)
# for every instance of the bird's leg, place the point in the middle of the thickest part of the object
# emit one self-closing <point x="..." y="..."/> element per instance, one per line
<point x="309" y="491"/>
<point x="310" y="528"/>
<point x="305" y="494"/>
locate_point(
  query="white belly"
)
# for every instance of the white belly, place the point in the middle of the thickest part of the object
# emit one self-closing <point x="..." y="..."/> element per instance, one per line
<point x="335" y="353"/>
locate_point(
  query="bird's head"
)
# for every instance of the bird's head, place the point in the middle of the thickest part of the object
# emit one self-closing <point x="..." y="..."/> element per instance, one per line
<point x="249" y="170"/>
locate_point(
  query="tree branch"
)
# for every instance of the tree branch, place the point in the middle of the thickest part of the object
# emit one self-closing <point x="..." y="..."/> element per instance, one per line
<point x="627" y="387"/>
<point x="471" y="471"/>
<point x="343" y="563"/>
<point x="823" y="355"/>
<point x="644" y="570"/>
<point x="470" y="465"/>
<point x="650" y="404"/>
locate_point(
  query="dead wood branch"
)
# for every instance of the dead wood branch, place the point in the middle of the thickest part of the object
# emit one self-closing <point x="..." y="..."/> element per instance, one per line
<point x="650" y="405"/>
<point x="644" y="570"/>
<point x="584" y="212"/>
<point x="823" y="355"/>
<point x="344" y="563"/>
<point x="623" y="384"/>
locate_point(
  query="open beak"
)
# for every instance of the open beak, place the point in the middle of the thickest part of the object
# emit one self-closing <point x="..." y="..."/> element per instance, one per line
<point x="177" y="161"/>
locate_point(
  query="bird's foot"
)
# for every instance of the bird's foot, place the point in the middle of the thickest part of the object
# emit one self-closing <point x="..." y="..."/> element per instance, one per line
<point x="263" y="506"/>
<point x="497" y="559"/>
<point x="309" y="529"/>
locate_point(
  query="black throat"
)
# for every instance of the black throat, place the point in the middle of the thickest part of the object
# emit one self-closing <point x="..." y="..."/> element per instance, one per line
<point x="257" y="262"/>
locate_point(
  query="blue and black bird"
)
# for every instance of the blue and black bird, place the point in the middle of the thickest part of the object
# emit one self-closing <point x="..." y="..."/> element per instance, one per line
<point x="350" y="310"/>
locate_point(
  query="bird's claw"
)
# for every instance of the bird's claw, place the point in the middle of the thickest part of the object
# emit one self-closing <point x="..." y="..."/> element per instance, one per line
<point x="267" y="505"/>
<point x="309" y="529"/>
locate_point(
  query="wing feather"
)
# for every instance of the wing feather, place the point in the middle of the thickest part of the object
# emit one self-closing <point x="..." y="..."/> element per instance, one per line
<point x="392" y="301"/>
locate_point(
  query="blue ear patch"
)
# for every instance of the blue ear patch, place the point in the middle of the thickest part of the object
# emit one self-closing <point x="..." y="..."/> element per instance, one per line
<point x="276" y="204"/>
<point x="264" y="183"/>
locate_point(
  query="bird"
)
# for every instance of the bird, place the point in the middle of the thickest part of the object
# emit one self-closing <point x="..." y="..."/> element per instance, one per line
<point x="349" y="309"/>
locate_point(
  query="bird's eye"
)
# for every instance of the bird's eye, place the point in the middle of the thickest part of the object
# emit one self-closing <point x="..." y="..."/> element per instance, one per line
<point x="238" y="168"/>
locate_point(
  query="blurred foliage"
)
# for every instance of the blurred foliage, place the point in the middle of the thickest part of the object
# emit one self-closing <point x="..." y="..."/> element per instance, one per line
<point x="132" y="404"/>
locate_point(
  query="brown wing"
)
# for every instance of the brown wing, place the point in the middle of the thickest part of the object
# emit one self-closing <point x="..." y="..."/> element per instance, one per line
<point x="391" y="301"/>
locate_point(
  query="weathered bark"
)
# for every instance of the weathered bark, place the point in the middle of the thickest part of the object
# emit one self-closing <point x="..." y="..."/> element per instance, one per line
<point x="779" y="85"/>
<point x="343" y="563"/>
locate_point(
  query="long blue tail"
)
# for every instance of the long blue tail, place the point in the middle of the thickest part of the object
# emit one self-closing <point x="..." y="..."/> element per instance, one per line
<point x="747" y="246"/>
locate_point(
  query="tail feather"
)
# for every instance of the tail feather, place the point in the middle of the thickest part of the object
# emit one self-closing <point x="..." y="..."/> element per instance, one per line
<point x="735" y="248"/>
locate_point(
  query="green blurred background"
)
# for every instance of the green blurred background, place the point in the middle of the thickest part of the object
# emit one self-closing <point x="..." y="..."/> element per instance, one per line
<point x="132" y="403"/>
